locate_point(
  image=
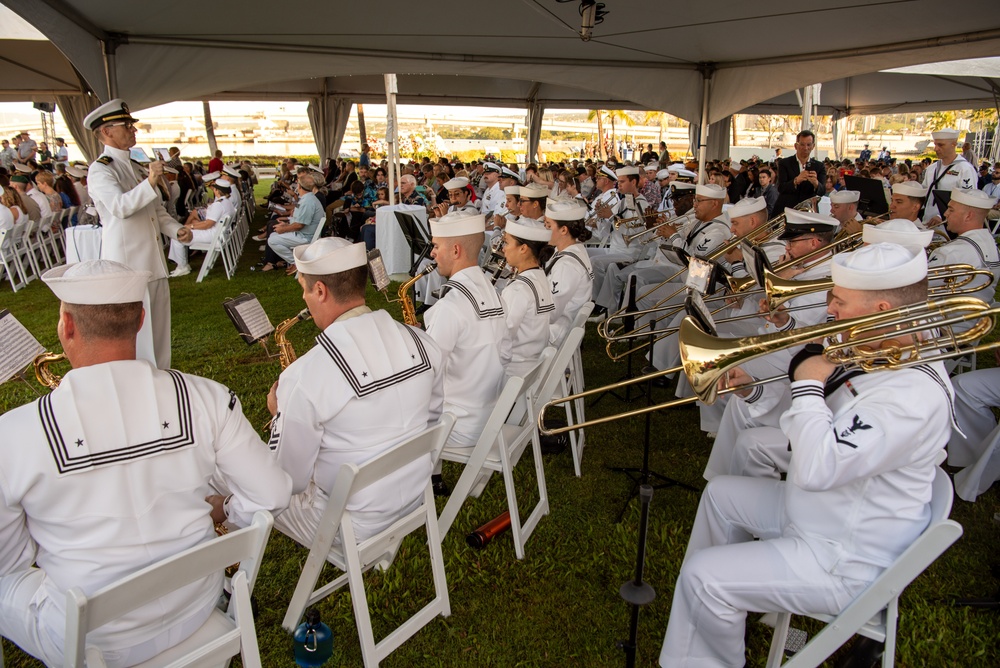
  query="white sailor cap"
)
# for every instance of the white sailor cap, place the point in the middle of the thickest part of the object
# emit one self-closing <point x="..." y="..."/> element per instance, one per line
<point x="534" y="191"/>
<point x="897" y="231"/>
<point x="329" y="255"/>
<point x="683" y="185"/>
<point x="222" y="182"/>
<point x="97" y="282"/>
<point x="710" y="190"/>
<point x="458" y="224"/>
<point x="945" y="133"/>
<point x="881" y="266"/>
<point x="910" y="189"/>
<point x="527" y="231"/>
<point x="686" y="173"/>
<point x="490" y="167"/>
<point x="977" y="199"/>
<point x="653" y="167"/>
<point x="111" y="111"/>
<point x="168" y="170"/>
<point x="565" y="209"/>
<point x="24" y="169"/>
<point x="626" y="171"/>
<point x="509" y="173"/>
<point x="844" y="196"/>
<point x="75" y="172"/>
<point x="512" y="190"/>
<point x="457" y="183"/>
<point x="798" y="223"/>
<point x="232" y="171"/>
<point x="747" y="206"/>
<point x="211" y="176"/>
<point x="663" y="174"/>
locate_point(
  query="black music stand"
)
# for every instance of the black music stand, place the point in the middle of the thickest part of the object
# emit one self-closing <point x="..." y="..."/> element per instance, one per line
<point x="872" y="199"/>
<point x="416" y="238"/>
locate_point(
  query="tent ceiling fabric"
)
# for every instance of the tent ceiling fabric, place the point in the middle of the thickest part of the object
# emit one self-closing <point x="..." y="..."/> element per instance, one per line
<point x="644" y="55"/>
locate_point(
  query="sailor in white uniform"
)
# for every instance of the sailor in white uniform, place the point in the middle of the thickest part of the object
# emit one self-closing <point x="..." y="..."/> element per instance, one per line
<point x="804" y="233"/>
<point x="132" y="214"/>
<point x="369" y="384"/>
<point x="858" y="490"/>
<point x="203" y="230"/>
<point x="844" y="207"/>
<point x="570" y="274"/>
<point x="973" y="245"/>
<point x="606" y="187"/>
<point x="749" y="440"/>
<point x="949" y="172"/>
<point x="109" y="473"/>
<point x="492" y="192"/>
<point x="974" y="445"/>
<point x="631" y="205"/>
<point x="458" y="197"/>
<point x="232" y="174"/>
<point x="527" y="299"/>
<point x="469" y="325"/>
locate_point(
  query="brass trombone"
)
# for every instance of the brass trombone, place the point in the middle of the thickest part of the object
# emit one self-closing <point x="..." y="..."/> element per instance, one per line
<point x="683" y="219"/>
<point x="860" y="342"/>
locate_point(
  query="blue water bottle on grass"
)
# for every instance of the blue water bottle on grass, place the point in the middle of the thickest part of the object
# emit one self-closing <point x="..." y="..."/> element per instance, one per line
<point x="312" y="641"/>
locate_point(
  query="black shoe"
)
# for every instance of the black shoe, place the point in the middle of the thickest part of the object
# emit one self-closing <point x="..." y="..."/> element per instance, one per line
<point x="439" y="486"/>
<point x="864" y="653"/>
<point x="420" y="310"/>
<point x="553" y="445"/>
<point x="663" y="382"/>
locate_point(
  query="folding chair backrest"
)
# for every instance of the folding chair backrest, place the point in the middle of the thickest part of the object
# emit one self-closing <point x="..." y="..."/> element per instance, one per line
<point x="84" y="613"/>
<point x="581" y="316"/>
<point x="559" y="365"/>
<point x="352" y="478"/>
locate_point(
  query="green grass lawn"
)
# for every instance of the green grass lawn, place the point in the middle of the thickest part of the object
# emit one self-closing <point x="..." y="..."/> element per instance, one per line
<point x="560" y="606"/>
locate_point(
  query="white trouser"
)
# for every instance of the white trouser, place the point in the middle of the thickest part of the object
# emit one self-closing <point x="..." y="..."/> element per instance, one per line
<point x="159" y="320"/>
<point x="600" y="260"/>
<point x="612" y="290"/>
<point x="34" y="623"/>
<point x="283" y="244"/>
<point x="426" y="287"/>
<point x="726" y="574"/>
<point x="179" y="252"/>
<point x="976" y="393"/>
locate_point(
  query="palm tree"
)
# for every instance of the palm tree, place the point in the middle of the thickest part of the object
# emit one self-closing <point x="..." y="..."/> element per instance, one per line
<point x="941" y="119"/>
<point x="599" y="115"/>
<point x="657" y="118"/>
<point x="626" y="120"/>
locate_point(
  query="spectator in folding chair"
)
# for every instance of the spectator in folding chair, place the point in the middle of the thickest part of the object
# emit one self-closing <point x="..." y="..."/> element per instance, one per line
<point x="20" y="183"/>
<point x="202" y="231"/>
<point x="864" y="448"/>
<point x="468" y="324"/>
<point x="110" y="473"/>
<point x="370" y="384"/>
<point x="297" y="229"/>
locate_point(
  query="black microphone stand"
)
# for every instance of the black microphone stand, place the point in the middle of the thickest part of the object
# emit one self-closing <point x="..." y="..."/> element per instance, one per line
<point x="636" y="592"/>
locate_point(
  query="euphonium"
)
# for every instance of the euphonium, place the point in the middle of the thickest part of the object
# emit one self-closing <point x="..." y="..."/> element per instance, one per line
<point x="43" y="374"/>
<point x="286" y="353"/>
<point x="403" y="295"/>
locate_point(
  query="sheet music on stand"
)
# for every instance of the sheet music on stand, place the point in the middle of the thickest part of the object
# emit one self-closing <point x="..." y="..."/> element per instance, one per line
<point x="376" y="268"/>
<point x="18" y="348"/>
<point x="249" y="318"/>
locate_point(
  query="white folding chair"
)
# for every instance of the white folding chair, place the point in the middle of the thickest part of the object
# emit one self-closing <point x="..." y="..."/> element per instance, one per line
<point x="221" y="637"/>
<point x="213" y="248"/>
<point x="10" y="261"/>
<point x="510" y="428"/>
<point x="23" y="249"/>
<point x="574" y="384"/>
<point x="874" y="612"/>
<point x="230" y="250"/>
<point x="356" y="558"/>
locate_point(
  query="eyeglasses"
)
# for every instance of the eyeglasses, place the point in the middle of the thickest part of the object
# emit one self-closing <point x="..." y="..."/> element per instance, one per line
<point x="127" y="126"/>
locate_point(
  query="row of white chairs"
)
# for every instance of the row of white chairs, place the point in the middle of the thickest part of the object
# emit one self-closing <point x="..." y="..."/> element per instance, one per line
<point x="32" y="246"/>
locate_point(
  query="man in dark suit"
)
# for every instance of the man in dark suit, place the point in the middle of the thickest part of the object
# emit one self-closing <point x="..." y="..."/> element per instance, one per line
<point x="799" y="176"/>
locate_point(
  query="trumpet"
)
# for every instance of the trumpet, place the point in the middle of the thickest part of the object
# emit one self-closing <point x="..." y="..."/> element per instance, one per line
<point x="682" y="219"/>
<point x="860" y="343"/>
<point x="642" y="220"/>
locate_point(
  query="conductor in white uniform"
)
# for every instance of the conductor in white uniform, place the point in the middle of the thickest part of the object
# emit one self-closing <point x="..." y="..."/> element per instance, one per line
<point x="858" y="489"/>
<point x="132" y="213"/>
<point x="109" y="473"/>
<point x="367" y="385"/>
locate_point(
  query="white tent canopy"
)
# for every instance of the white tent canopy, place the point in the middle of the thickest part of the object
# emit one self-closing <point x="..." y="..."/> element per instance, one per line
<point x="686" y="59"/>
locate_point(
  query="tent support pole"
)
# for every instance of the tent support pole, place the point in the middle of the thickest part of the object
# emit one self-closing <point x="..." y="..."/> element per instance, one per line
<point x="111" y="45"/>
<point x="707" y="70"/>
